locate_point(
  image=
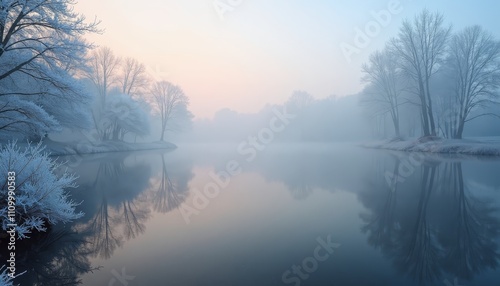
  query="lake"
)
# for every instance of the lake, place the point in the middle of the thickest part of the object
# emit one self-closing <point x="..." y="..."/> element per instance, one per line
<point x="288" y="215"/>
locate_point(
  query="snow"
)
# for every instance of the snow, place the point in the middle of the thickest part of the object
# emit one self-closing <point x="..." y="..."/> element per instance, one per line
<point x="489" y="146"/>
<point x="5" y="280"/>
<point x="40" y="195"/>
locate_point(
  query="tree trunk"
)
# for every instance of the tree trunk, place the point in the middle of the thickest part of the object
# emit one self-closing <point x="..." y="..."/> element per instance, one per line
<point x="395" y="122"/>
<point x="425" y="118"/>
<point x="396" y="128"/>
<point x="429" y="111"/>
<point x="460" y="130"/>
<point x="423" y="102"/>
<point x="162" y="134"/>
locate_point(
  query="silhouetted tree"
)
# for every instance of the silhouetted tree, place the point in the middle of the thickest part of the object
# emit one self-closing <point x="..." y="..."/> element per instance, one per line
<point x="167" y="99"/>
<point x="474" y="60"/>
<point x="385" y="79"/>
<point x="421" y="47"/>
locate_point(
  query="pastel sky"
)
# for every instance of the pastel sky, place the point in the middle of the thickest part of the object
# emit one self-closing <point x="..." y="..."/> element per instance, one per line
<point x="260" y="51"/>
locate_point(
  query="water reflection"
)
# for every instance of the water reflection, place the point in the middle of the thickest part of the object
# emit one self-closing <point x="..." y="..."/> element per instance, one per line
<point x="120" y="208"/>
<point x="58" y="257"/>
<point x="171" y="188"/>
<point x="432" y="225"/>
<point x="470" y="229"/>
<point x="129" y="188"/>
<point x="426" y="218"/>
<point x="118" y="194"/>
<point x="437" y="221"/>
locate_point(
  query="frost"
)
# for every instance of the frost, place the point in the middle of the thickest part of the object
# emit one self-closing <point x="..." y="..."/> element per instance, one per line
<point x="432" y="144"/>
<point x="5" y="280"/>
<point x="40" y="194"/>
<point x="42" y="51"/>
<point x="124" y="115"/>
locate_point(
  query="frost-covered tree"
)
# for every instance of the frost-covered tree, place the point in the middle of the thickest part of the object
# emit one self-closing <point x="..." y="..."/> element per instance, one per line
<point x="40" y="195"/>
<point x="421" y="48"/>
<point x="24" y="118"/>
<point x="167" y="101"/>
<point x="386" y="85"/>
<point x="102" y="72"/>
<point x="474" y="65"/>
<point x="117" y="114"/>
<point x="123" y="115"/>
<point x="40" y="46"/>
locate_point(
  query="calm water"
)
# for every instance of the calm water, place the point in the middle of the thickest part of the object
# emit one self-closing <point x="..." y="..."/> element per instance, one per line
<point x="342" y="215"/>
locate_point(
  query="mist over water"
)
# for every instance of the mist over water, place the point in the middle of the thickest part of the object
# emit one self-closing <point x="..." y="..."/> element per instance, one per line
<point x="438" y="224"/>
<point x="229" y="142"/>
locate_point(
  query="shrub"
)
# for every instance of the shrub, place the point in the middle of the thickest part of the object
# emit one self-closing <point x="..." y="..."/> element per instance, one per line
<point x="40" y="195"/>
<point x="5" y="280"/>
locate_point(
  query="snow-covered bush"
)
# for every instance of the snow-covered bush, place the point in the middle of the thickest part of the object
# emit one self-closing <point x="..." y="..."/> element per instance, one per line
<point x="5" y="280"/>
<point x="40" y="196"/>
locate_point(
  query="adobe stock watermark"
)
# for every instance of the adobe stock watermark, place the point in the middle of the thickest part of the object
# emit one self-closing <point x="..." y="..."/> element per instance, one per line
<point x="248" y="149"/>
<point x="364" y="36"/>
<point x="120" y="279"/>
<point x="298" y="273"/>
<point x="404" y="170"/>
<point x="222" y="7"/>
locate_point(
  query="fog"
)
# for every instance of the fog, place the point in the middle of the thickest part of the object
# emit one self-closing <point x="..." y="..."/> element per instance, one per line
<point x="260" y="51"/>
<point x="235" y="71"/>
<point x="232" y="142"/>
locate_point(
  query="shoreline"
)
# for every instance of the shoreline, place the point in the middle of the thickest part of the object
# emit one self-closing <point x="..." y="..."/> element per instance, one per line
<point x="432" y="144"/>
<point x="55" y="148"/>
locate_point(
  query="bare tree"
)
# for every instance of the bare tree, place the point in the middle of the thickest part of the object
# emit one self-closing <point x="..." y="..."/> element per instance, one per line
<point x="104" y="64"/>
<point x="421" y="45"/>
<point x="384" y="76"/>
<point x="103" y="71"/>
<point x="474" y="60"/>
<point x="133" y="79"/>
<point x="167" y="99"/>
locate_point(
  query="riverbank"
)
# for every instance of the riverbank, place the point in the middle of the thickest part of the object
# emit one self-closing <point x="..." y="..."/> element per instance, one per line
<point x="77" y="148"/>
<point x="431" y="144"/>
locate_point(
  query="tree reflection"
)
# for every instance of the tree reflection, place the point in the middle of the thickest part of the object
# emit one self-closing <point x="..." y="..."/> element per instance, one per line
<point x="57" y="257"/>
<point x="103" y="241"/>
<point x="121" y="212"/>
<point x="435" y="226"/>
<point x="117" y="199"/>
<point x="134" y="217"/>
<point x="127" y="192"/>
<point x="170" y="192"/>
<point x="382" y="224"/>
<point x="416" y="251"/>
<point x="470" y="236"/>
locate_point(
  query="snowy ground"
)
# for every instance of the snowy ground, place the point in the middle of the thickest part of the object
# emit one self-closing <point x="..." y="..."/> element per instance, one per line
<point x="72" y="148"/>
<point x="489" y="146"/>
